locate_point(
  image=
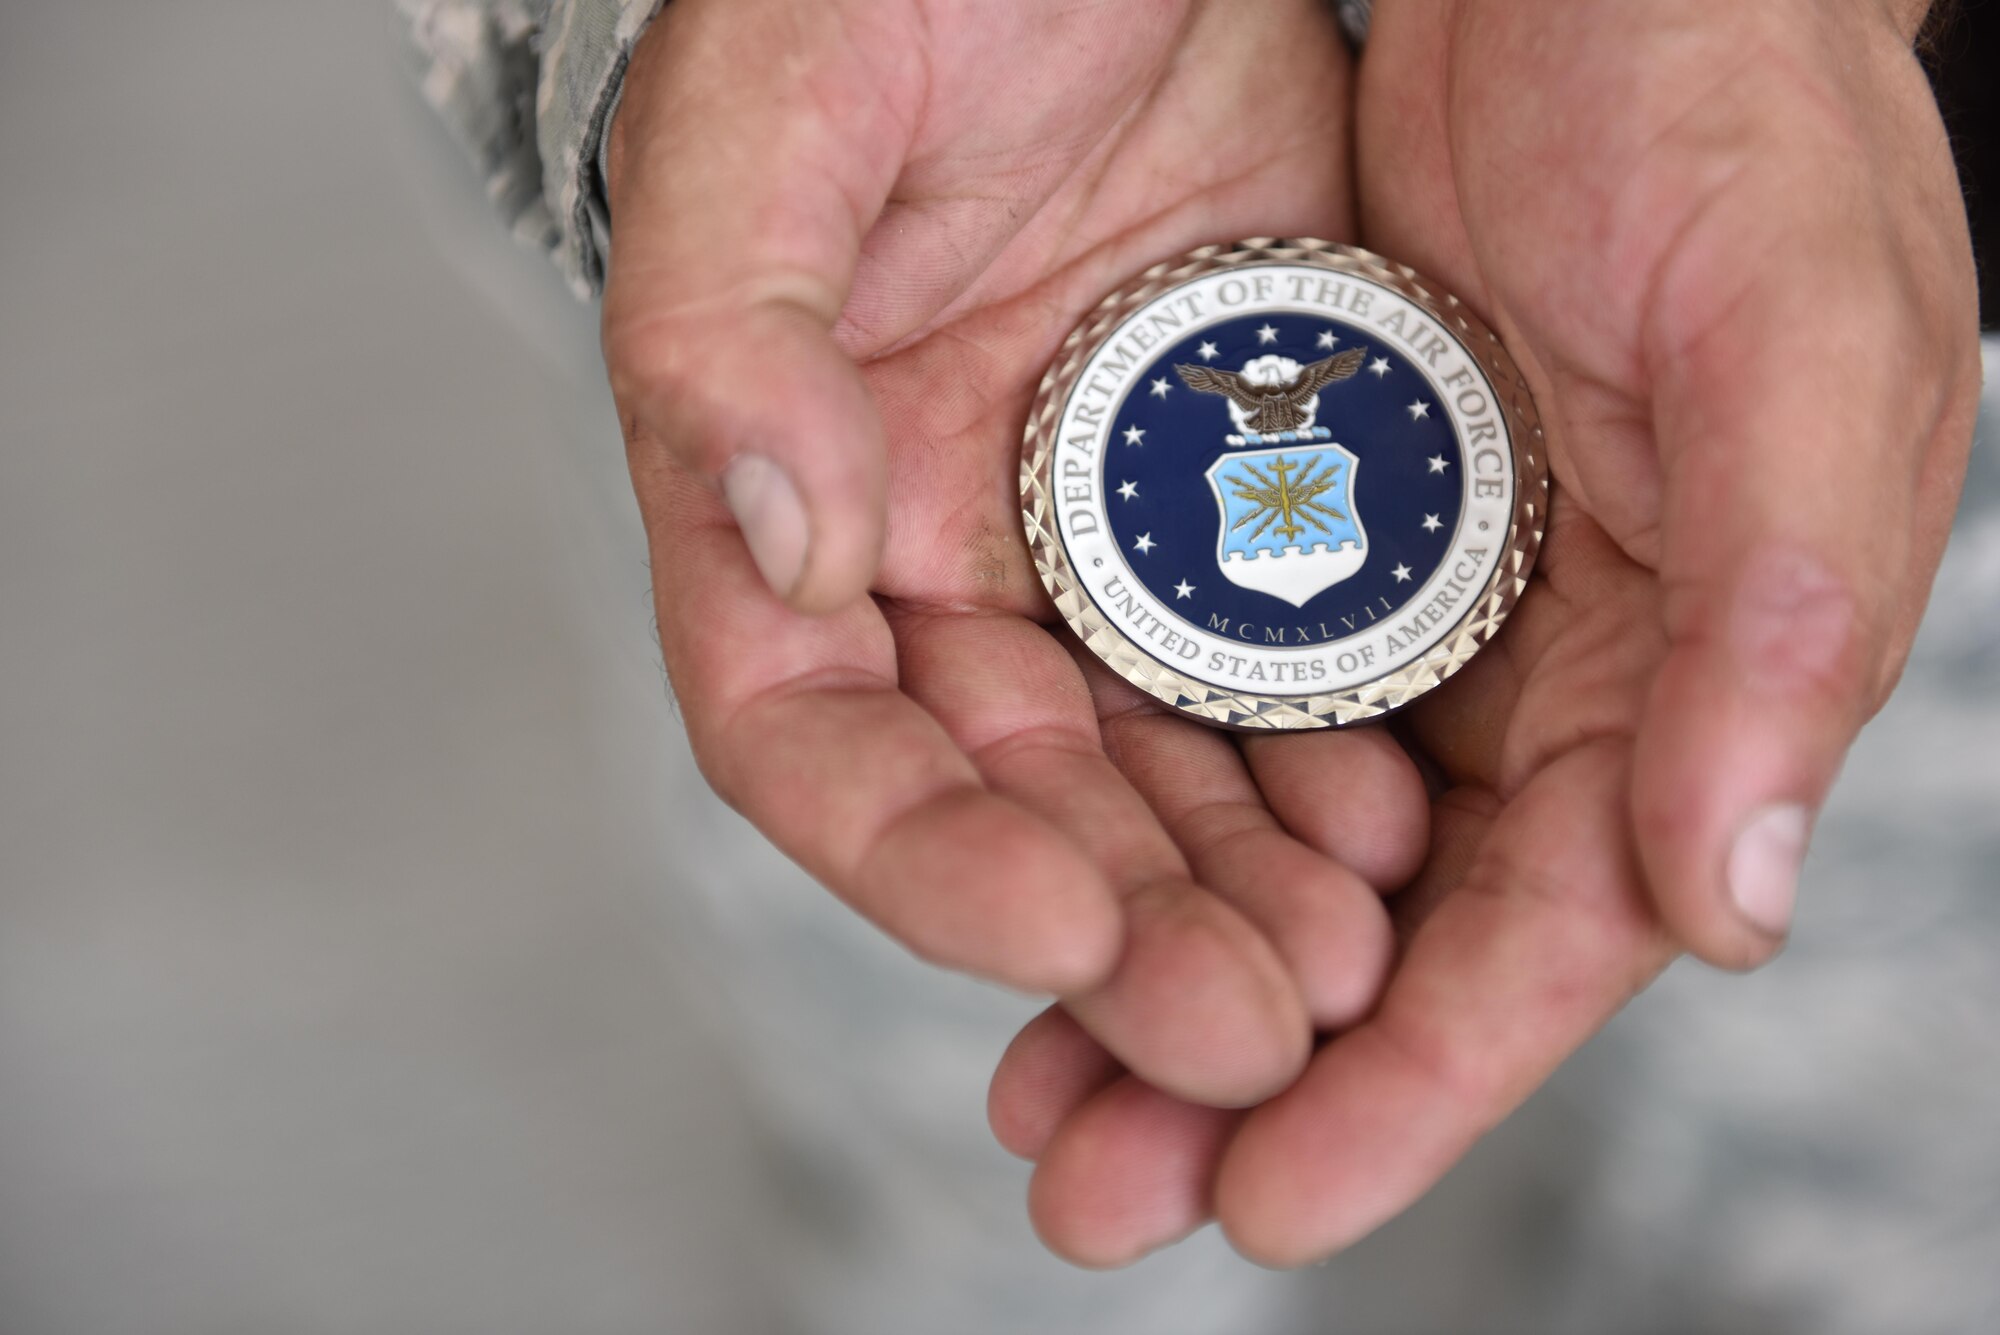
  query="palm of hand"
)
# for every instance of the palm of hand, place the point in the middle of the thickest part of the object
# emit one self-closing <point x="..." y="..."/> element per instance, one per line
<point x="934" y="754"/>
<point x="1718" y="602"/>
<point x="939" y="759"/>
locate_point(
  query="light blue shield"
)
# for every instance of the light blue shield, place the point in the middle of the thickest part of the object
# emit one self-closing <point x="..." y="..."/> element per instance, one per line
<point x="1289" y="527"/>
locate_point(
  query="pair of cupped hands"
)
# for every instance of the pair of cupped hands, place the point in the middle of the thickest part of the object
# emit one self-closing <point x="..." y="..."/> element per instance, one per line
<point x="1296" y="976"/>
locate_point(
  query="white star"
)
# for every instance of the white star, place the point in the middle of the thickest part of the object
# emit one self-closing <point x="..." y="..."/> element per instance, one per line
<point x="1144" y="543"/>
<point x="1183" y="590"/>
<point x="1135" y="435"/>
<point x="1326" y="338"/>
<point x="1431" y="524"/>
<point x="1437" y="463"/>
<point x="1160" y="388"/>
<point x="1402" y="574"/>
<point x="1419" y="409"/>
<point x="1206" y="352"/>
<point x="1267" y="335"/>
<point x="1129" y="490"/>
<point x="1380" y="366"/>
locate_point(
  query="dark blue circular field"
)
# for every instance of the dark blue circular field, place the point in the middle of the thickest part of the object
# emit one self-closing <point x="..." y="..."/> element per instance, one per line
<point x="1166" y="518"/>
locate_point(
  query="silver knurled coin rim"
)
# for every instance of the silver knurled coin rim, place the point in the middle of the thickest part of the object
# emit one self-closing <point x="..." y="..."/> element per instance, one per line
<point x="1368" y="700"/>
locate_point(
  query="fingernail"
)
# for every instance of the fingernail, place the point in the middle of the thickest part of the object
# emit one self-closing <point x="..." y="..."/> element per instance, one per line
<point x="1764" y="865"/>
<point x="773" y="519"/>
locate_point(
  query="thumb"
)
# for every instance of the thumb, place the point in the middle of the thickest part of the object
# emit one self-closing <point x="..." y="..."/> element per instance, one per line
<point x="751" y="152"/>
<point x="1812" y="406"/>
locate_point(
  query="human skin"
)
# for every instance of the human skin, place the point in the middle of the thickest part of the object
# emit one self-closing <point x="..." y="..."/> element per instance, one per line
<point x="1725" y="244"/>
<point x="849" y="239"/>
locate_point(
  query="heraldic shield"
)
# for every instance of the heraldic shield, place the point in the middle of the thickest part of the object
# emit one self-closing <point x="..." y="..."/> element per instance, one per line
<point x="1289" y="526"/>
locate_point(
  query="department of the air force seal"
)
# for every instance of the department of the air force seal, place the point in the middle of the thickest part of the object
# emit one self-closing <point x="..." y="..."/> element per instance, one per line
<point x="1284" y="484"/>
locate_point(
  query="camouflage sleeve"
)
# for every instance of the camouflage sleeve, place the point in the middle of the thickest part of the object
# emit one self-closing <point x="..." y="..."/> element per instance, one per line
<point x="585" y="48"/>
<point x="527" y="87"/>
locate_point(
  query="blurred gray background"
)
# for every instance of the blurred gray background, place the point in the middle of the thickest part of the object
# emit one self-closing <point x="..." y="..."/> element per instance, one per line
<point x="371" y="959"/>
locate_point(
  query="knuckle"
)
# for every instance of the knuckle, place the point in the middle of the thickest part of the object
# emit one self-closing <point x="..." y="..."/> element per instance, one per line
<point x="1472" y="1085"/>
<point x="1801" y="625"/>
<point x="1661" y="818"/>
<point x="1805" y="632"/>
<point x="669" y="381"/>
<point x="1788" y="622"/>
<point x="649" y="356"/>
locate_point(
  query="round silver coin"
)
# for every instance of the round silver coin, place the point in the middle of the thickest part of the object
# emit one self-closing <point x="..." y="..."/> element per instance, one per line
<point x="1284" y="484"/>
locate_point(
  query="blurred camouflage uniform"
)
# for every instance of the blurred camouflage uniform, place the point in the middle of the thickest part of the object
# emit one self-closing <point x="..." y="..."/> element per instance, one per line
<point x="528" y="87"/>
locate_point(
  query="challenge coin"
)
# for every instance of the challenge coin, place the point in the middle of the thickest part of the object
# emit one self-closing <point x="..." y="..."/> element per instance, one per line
<point x="1284" y="484"/>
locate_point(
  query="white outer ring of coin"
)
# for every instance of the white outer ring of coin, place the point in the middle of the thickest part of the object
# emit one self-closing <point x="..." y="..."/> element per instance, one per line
<point x="1444" y="646"/>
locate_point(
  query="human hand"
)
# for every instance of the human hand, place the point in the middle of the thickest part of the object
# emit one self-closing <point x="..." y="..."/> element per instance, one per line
<point x="849" y="236"/>
<point x="1726" y="245"/>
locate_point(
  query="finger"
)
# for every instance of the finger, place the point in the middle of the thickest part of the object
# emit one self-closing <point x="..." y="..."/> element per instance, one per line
<point x="752" y="151"/>
<point x="1354" y="794"/>
<point x="1053" y="1070"/>
<point x="1813" y="400"/>
<point x="1199" y="1003"/>
<point x="1129" y="1173"/>
<point x="798" y="723"/>
<point x="1459" y="821"/>
<point x="1326" y="923"/>
<point x="1549" y="935"/>
<point x="1048" y="1071"/>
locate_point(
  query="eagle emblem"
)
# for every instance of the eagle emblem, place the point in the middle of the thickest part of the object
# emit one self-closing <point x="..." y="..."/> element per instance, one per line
<point x="1273" y="394"/>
